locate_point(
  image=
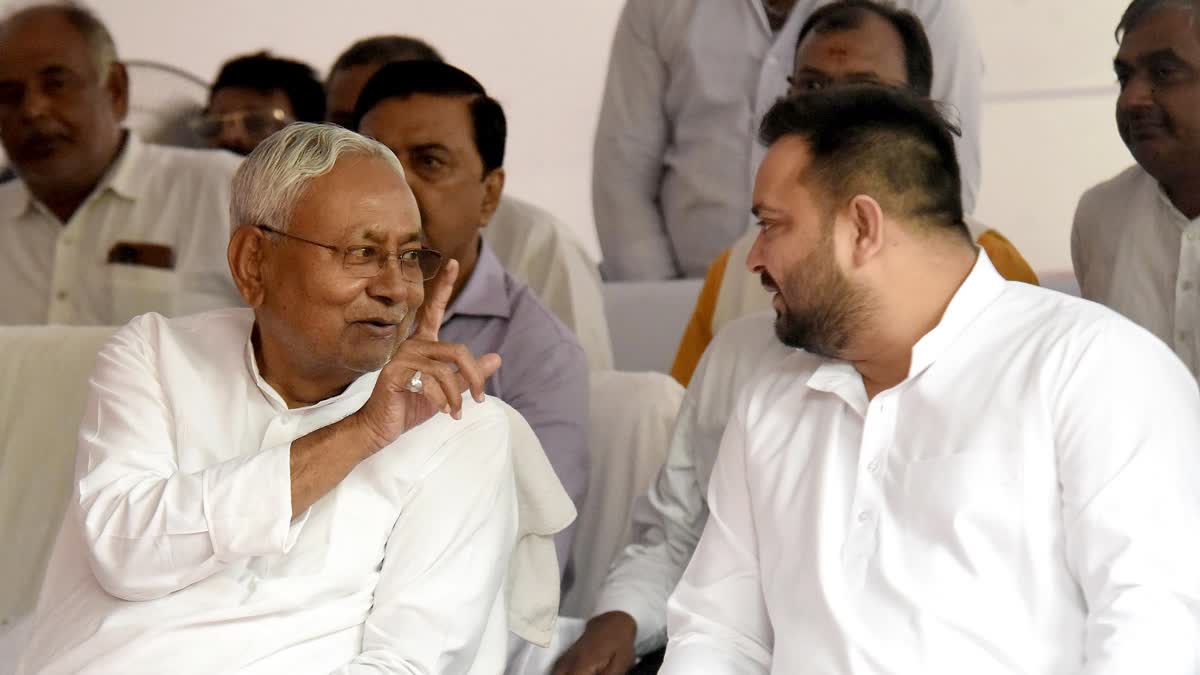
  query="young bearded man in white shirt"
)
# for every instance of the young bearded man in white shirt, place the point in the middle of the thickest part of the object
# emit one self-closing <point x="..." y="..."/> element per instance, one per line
<point x="1136" y="240"/>
<point x="299" y="487"/>
<point x="98" y="227"/>
<point x="958" y="474"/>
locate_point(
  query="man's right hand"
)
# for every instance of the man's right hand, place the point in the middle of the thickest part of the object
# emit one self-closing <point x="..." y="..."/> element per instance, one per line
<point x="605" y="648"/>
<point x="447" y="370"/>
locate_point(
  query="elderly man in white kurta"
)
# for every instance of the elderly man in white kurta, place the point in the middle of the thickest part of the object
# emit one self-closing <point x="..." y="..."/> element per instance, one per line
<point x="958" y="474"/>
<point x="299" y="487"/>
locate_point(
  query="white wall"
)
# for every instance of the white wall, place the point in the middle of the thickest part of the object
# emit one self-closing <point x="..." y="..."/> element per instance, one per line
<point x="1048" y="130"/>
<point x="543" y="59"/>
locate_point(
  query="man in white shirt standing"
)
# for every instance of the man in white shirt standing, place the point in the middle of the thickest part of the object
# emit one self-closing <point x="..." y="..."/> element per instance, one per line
<point x="687" y="83"/>
<point x="98" y="227"/>
<point x="1136" y="239"/>
<point x="958" y="474"/>
<point x="299" y="487"/>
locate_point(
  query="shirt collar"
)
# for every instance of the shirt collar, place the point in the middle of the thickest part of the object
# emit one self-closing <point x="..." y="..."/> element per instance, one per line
<point x="122" y="177"/>
<point x="485" y="293"/>
<point x="983" y="285"/>
<point x="358" y="389"/>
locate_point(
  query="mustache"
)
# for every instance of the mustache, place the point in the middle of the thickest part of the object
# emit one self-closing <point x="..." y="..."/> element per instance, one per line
<point x="1145" y="117"/>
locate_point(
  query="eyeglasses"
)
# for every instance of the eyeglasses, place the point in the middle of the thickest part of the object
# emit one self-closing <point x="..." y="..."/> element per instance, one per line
<point x="256" y="123"/>
<point x="366" y="261"/>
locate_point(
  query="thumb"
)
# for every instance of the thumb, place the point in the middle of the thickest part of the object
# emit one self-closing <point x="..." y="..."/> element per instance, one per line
<point x="489" y="364"/>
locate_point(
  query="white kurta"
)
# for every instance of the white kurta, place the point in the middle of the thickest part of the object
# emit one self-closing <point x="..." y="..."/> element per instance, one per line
<point x="1135" y="252"/>
<point x="1024" y="502"/>
<point x="54" y="272"/>
<point x="688" y="84"/>
<point x="178" y="553"/>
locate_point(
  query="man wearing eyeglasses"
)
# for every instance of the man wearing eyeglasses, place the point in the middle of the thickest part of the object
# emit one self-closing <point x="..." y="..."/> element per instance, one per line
<point x="313" y="485"/>
<point x="98" y="227"/>
<point x="256" y="95"/>
<point x="843" y="42"/>
<point x="450" y="135"/>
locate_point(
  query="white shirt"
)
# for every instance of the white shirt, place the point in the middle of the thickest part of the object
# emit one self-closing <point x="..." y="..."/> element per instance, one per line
<point x="178" y="553"/>
<point x="667" y="522"/>
<point x="688" y="83"/>
<point x="1135" y="252"/>
<point x="1024" y="502"/>
<point x="533" y="246"/>
<point x="59" y="273"/>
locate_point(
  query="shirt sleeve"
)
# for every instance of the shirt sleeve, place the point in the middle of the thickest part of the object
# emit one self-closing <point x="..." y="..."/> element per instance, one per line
<point x="149" y="528"/>
<point x="1127" y="426"/>
<point x="631" y="139"/>
<point x="667" y="523"/>
<point x="958" y="83"/>
<point x="445" y="563"/>
<point x="698" y="332"/>
<point x="716" y="617"/>
<point x="549" y="387"/>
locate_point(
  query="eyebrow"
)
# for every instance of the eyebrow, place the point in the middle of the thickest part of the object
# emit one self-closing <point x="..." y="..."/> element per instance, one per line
<point x="373" y="235"/>
<point x="1167" y="54"/>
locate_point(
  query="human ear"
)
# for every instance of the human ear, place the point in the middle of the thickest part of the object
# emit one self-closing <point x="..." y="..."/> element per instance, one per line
<point x="866" y="218"/>
<point x="246" y="254"/>
<point x="493" y="187"/>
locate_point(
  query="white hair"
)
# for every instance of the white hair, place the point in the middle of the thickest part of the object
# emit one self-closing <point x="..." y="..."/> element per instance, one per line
<point x="99" y="40"/>
<point x="273" y="177"/>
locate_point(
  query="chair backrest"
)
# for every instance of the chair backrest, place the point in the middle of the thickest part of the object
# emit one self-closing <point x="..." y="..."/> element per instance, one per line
<point x="43" y="388"/>
<point x="646" y="319"/>
<point x="631" y="419"/>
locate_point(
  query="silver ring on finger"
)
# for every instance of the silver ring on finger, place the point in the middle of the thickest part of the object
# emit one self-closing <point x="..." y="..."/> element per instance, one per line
<point x="414" y="383"/>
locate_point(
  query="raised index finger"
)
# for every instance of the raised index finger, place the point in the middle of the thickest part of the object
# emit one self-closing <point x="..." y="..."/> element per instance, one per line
<point x="434" y="307"/>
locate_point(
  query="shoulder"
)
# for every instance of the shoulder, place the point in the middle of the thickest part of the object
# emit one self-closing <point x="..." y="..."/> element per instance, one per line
<point x="196" y="336"/>
<point x="533" y="322"/>
<point x="1121" y="188"/>
<point x="206" y="167"/>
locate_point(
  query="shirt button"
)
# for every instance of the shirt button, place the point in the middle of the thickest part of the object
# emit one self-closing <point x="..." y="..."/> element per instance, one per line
<point x="873" y="467"/>
<point x="864" y="516"/>
<point x="61" y="295"/>
<point x="1184" y="336"/>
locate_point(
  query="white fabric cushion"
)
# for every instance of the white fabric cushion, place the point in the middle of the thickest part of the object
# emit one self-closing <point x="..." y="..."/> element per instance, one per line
<point x="631" y="419"/>
<point x="43" y="378"/>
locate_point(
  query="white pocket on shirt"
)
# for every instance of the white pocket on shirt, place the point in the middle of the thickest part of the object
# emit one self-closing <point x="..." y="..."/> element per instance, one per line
<point x="138" y="289"/>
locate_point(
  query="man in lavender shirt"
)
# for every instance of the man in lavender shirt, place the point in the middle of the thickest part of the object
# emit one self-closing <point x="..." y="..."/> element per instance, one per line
<point x="449" y="135"/>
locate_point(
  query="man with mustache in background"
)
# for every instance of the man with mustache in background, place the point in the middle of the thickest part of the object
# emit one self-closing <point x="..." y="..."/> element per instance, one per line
<point x="1136" y="240"/>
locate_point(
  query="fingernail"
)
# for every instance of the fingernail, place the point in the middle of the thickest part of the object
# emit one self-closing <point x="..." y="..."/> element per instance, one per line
<point x="446" y="408"/>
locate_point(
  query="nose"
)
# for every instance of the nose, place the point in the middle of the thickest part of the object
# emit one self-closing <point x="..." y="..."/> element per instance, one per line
<point x="755" y="261"/>
<point x="35" y="103"/>
<point x="1137" y="93"/>
<point x="390" y="286"/>
<point x="232" y="134"/>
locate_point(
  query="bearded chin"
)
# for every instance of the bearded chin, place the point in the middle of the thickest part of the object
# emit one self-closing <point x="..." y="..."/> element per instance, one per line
<point x="826" y="326"/>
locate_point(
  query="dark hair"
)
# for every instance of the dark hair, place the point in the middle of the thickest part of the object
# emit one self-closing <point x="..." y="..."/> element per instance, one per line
<point x="878" y="140"/>
<point x="383" y="49"/>
<point x="845" y="15"/>
<point x="265" y="73"/>
<point x="402" y="79"/>
<point x="1140" y="9"/>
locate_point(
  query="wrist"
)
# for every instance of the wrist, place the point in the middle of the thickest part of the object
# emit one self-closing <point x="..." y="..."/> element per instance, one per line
<point x="364" y="435"/>
<point x="617" y="621"/>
